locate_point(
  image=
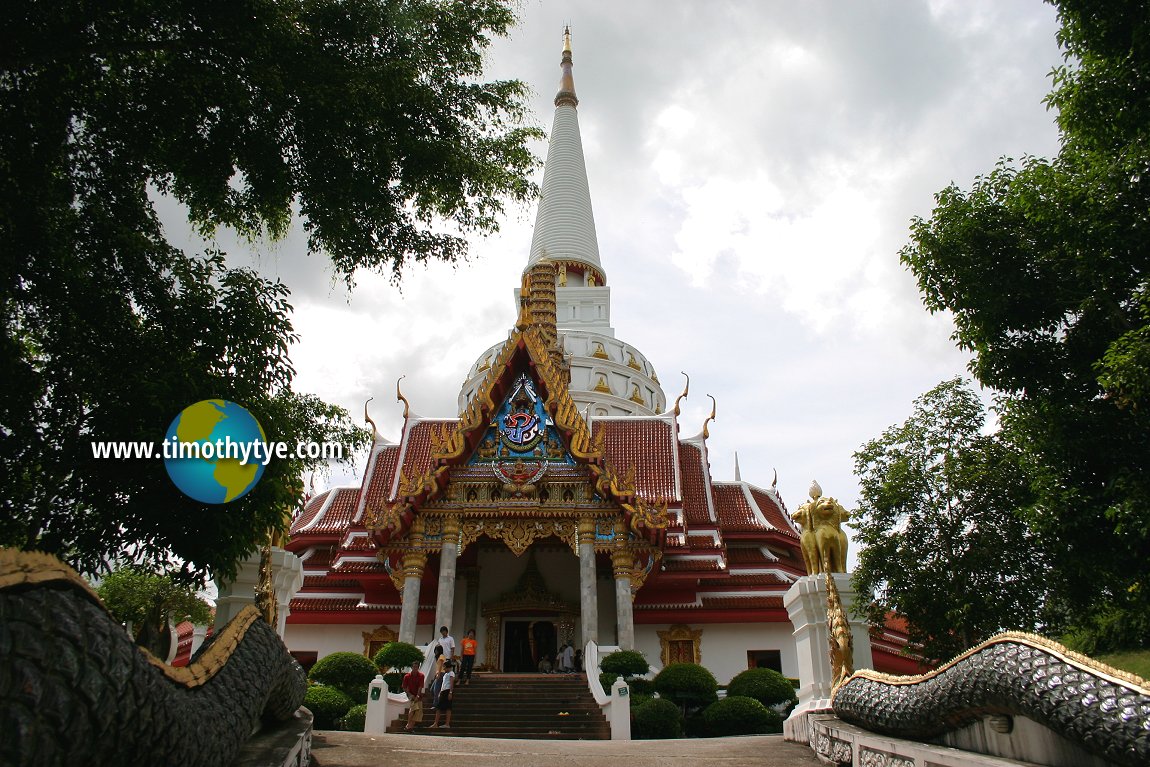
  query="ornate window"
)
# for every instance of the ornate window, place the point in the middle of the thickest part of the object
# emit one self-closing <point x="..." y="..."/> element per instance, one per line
<point x="374" y="641"/>
<point x="680" y="644"/>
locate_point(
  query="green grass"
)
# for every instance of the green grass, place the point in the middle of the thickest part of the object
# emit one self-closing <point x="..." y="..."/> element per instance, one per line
<point x="1134" y="661"/>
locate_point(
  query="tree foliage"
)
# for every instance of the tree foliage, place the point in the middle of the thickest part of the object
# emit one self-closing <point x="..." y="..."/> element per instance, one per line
<point x="398" y="655"/>
<point x="765" y="685"/>
<point x="348" y="672"/>
<point x="944" y="539"/>
<point x="687" y="684"/>
<point x="1043" y="265"/>
<point x="148" y="602"/>
<point x="369" y="117"/>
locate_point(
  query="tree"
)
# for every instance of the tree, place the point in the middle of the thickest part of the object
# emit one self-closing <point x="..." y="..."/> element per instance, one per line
<point x="1043" y="265"/>
<point x="148" y="603"/>
<point x="369" y="117"/>
<point x="941" y="526"/>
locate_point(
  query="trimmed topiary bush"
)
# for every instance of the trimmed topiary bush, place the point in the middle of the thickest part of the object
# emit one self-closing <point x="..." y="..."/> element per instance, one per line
<point x="398" y="656"/>
<point x="641" y="686"/>
<point x="354" y="719"/>
<point x="739" y="715"/>
<point x="348" y="672"/>
<point x="625" y="663"/>
<point x="657" y="719"/>
<point x="327" y="704"/>
<point x="687" y="684"/>
<point x="765" y="685"/>
<point x="394" y="680"/>
<point x="607" y="679"/>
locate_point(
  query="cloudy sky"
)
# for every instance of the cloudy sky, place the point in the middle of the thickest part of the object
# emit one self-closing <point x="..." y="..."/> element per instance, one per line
<point x="754" y="167"/>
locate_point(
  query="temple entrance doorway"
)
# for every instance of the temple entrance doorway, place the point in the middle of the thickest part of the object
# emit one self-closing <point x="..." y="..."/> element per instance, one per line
<point x="526" y="642"/>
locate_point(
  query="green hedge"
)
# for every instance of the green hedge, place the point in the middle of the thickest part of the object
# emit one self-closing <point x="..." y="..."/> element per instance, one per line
<point x="348" y="672"/>
<point x="687" y="684"/>
<point x="327" y="704"/>
<point x="656" y="719"/>
<point x="398" y="656"/>
<point x="765" y="685"/>
<point x="354" y="719"/>
<point x="625" y="663"/>
<point x="738" y="715"/>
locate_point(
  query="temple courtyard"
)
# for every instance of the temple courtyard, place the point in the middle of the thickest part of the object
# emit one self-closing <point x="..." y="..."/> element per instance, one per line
<point x="357" y="749"/>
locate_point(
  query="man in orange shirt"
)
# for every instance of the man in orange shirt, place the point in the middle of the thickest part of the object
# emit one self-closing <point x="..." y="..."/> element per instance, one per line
<point x="469" y="646"/>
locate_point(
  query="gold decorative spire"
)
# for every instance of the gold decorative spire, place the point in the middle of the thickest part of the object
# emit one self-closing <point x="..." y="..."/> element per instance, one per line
<point x="400" y="398"/>
<point x="367" y="418"/>
<point x="711" y="417"/>
<point x="686" y="389"/>
<point x="566" y="94"/>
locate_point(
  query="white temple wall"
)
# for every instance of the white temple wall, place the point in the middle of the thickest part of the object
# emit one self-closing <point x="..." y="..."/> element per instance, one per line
<point x="326" y="639"/>
<point x="724" y="646"/>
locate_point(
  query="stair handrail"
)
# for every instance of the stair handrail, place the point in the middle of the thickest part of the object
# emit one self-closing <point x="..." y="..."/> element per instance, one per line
<point x="591" y="665"/>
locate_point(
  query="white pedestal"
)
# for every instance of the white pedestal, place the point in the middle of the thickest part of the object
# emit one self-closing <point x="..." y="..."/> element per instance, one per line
<point x="806" y="603"/>
<point x="287" y="577"/>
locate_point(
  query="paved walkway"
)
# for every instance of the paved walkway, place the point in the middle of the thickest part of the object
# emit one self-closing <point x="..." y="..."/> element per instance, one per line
<point x="357" y="749"/>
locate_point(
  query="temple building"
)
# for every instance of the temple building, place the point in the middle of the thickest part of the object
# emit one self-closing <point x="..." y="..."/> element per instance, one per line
<point x="563" y="504"/>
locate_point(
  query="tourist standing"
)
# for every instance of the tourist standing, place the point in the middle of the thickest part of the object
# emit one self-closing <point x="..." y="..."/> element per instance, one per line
<point x="567" y="659"/>
<point x="437" y="679"/>
<point x="447" y="642"/>
<point x="468" y="647"/>
<point x="445" y="694"/>
<point x="413" y="686"/>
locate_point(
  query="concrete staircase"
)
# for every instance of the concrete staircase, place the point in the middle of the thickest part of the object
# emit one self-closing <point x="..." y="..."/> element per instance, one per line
<point x="532" y="706"/>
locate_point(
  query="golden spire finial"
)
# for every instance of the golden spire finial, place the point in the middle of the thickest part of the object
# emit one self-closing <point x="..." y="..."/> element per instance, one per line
<point x="367" y="418"/>
<point x="400" y="398"/>
<point x="711" y="417"/>
<point x="566" y="94"/>
<point x="686" y="389"/>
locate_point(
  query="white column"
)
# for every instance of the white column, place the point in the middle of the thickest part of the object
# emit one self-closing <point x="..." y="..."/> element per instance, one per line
<point x="235" y="596"/>
<point x="622" y="562"/>
<point x="806" y="603"/>
<point x="588" y="585"/>
<point x="449" y="555"/>
<point x="287" y="575"/>
<point x="413" y="563"/>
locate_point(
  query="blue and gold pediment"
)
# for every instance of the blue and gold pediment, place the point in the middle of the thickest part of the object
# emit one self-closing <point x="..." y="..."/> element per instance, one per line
<point x="522" y="433"/>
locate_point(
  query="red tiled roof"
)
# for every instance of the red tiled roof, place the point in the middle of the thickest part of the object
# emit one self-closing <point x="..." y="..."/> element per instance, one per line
<point x="678" y="565"/>
<point x="694" y="479"/>
<point x="748" y="556"/>
<point x="416" y="447"/>
<point x="310" y="509"/>
<point x="757" y="579"/>
<point x="299" y="605"/>
<point x="734" y="511"/>
<point x="359" y="543"/>
<point x="327" y="583"/>
<point x="320" y="558"/>
<point x="744" y="603"/>
<point x="775" y="515"/>
<point x="648" y="444"/>
<point x="338" y="514"/>
<point x="378" y="479"/>
<point x="703" y="542"/>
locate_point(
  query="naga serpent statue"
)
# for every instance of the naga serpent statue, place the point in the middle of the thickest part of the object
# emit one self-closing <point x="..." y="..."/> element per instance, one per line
<point x="1102" y="709"/>
<point x="75" y="689"/>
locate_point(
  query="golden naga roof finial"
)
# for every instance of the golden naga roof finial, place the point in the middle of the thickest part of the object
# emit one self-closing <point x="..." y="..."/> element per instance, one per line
<point x="367" y="418"/>
<point x="775" y="481"/>
<point x="711" y="417"/>
<point x="686" y="389"/>
<point x="400" y="398"/>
